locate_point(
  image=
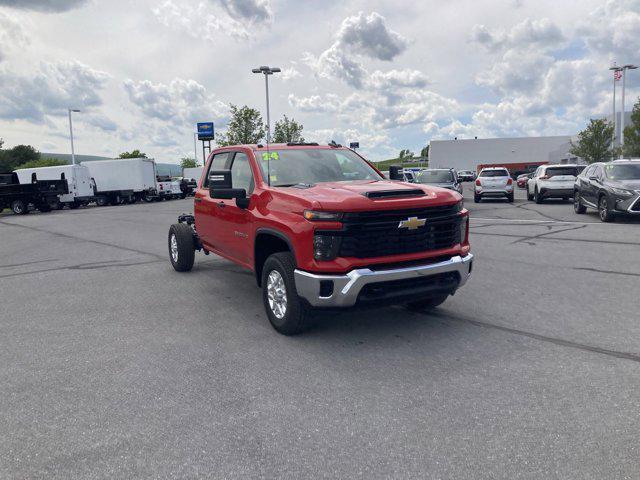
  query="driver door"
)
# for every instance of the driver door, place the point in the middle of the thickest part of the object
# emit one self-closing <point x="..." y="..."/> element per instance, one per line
<point x="207" y="209"/>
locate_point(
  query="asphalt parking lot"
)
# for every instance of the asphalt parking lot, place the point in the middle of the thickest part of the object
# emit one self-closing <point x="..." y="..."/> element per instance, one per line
<point x="112" y="365"/>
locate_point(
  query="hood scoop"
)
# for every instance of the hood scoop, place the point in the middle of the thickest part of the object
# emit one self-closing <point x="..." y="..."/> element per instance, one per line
<point x="416" y="192"/>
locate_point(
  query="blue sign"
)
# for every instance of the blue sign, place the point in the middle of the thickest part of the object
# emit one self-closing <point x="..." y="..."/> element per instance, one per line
<point x="354" y="145"/>
<point x="205" y="131"/>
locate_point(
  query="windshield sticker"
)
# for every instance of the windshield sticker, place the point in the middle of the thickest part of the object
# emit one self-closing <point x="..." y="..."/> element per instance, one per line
<point x="274" y="156"/>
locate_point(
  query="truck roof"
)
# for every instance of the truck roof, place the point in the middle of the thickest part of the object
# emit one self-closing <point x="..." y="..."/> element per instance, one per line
<point x="284" y="146"/>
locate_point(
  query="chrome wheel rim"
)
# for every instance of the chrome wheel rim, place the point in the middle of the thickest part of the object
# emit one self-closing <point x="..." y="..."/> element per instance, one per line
<point x="576" y="202"/>
<point x="174" y="248"/>
<point x="603" y="208"/>
<point x="277" y="294"/>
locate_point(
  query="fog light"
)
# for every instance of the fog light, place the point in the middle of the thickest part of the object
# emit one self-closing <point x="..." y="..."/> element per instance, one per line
<point x="325" y="247"/>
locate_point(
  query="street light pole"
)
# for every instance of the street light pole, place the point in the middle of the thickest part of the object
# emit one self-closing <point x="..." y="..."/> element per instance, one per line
<point x="73" y="154"/>
<point x="266" y="71"/>
<point x="615" y="69"/>
<point x="195" y="147"/>
<point x="624" y="78"/>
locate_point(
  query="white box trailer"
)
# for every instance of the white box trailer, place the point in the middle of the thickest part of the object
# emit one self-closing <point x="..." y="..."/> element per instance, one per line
<point x="193" y="173"/>
<point x="81" y="187"/>
<point x="125" y="180"/>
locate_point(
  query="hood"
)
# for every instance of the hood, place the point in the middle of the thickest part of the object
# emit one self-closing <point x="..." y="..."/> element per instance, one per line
<point x="368" y="195"/>
<point x="449" y="185"/>
<point x="628" y="184"/>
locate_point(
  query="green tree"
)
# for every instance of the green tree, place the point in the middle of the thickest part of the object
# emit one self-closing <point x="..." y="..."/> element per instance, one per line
<point x="406" y="155"/>
<point x="245" y="126"/>
<point x="133" y="154"/>
<point x="43" y="162"/>
<point x="15" y="157"/>
<point x="189" y="162"/>
<point x="288" y="130"/>
<point x="424" y="153"/>
<point x="594" y="142"/>
<point x="632" y="134"/>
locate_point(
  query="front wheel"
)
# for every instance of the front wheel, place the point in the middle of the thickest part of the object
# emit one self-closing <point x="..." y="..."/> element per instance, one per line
<point x="286" y="312"/>
<point x="19" y="207"/>
<point x="510" y="198"/>
<point x="427" y="303"/>
<point x="537" y="197"/>
<point x="181" y="248"/>
<point x="606" y="215"/>
<point x="529" y="196"/>
<point x="578" y="207"/>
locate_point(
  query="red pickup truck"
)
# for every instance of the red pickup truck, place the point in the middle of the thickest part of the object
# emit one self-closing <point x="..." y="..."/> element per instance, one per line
<point x="322" y="228"/>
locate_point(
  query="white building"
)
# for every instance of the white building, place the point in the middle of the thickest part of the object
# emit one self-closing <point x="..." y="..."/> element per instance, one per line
<point x="515" y="153"/>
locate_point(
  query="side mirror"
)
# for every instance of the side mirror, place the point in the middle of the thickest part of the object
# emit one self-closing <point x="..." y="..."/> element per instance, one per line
<point x="220" y="186"/>
<point x="593" y="177"/>
<point x="395" y="173"/>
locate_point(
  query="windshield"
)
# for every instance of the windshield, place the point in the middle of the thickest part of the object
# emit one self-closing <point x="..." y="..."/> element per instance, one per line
<point x="623" y="172"/>
<point x="494" y="173"/>
<point x="435" y="176"/>
<point x="557" y="171"/>
<point x="310" y="166"/>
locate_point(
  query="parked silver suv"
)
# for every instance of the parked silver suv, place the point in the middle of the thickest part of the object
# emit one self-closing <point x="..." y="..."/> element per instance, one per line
<point x="493" y="182"/>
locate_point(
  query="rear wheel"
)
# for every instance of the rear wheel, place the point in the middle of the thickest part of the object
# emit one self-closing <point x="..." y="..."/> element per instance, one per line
<point x="606" y="215"/>
<point x="286" y="312"/>
<point x="477" y="198"/>
<point x="578" y="207"/>
<point x="181" y="247"/>
<point x="102" y="201"/>
<point x="73" y="205"/>
<point x="537" y="197"/>
<point x="427" y="303"/>
<point x="19" y="207"/>
<point x="529" y="196"/>
<point x="510" y="198"/>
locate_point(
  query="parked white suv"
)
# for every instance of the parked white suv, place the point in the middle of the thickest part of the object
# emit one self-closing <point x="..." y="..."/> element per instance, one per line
<point x="493" y="182"/>
<point x="550" y="181"/>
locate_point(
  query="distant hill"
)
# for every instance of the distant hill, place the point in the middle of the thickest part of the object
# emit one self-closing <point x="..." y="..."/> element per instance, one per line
<point x="384" y="164"/>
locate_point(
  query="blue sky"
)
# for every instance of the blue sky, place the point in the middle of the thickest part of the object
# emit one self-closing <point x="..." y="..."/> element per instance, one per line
<point x="391" y="75"/>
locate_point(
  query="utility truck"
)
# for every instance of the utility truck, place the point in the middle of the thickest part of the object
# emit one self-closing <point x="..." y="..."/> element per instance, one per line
<point x="125" y="180"/>
<point x="38" y="194"/>
<point x="81" y="186"/>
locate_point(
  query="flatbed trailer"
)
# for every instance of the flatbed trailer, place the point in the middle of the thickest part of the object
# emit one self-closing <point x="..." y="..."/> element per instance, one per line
<point x="39" y="194"/>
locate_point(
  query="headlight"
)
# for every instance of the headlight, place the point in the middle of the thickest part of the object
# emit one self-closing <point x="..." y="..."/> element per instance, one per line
<point x="314" y="215"/>
<point x="463" y="227"/>
<point x="621" y="191"/>
<point x="325" y="247"/>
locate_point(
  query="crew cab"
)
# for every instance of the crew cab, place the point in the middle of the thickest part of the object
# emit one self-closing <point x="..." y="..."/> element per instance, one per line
<point x="321" y="228"/>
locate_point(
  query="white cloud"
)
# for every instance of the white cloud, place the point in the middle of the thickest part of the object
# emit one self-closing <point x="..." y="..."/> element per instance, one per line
<point x="12" y="35"/>
<point x="406" y="78"/>
<point x="542" y="33"/>
<point x="50" y="91"/>
<point x="179" y="102"/>
<point x="359" y="36"/>
<point x="205" y="19"/>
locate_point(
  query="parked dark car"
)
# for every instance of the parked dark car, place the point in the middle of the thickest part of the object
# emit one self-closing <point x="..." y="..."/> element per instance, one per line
<point x="612" y="188"/>
<point x="440" y="177"/>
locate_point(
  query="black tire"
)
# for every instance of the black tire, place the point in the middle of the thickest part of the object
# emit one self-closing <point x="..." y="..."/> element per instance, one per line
<point x="19" y="207"/>
<point x="529" y="196"/>
<point x="427" y="303"/>
<point x="296" y="317"/>
<point x="510" y="198"/>
<point x="44" y="208"/>
<point x="477" y="198"/>
<point x="182" y="253"/>
<point x="57" y="205"/>
<point x="102" y="201"/>
<point x="74" y="205"/>
<point x="537" y="197"/>
<point x="578" y="207"/>
<point x="606" y="215"/>
<point x="147" y="198"/>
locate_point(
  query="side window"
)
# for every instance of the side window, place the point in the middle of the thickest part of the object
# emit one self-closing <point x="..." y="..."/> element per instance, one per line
<point x="589" y="171"/>
<point x="241" y="175"/>
<point x="598" y="172"/>
<point x="218" y="162"/>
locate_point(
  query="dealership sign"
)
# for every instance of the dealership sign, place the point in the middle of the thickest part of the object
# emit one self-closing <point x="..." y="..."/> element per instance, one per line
<point x="205" y="131"/>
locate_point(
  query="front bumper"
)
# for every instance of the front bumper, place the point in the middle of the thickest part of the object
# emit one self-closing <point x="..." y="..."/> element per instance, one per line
<point x="346" y="289"/>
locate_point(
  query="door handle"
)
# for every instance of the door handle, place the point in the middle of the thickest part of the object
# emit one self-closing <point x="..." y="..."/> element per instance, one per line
<point x="221" y="204"/>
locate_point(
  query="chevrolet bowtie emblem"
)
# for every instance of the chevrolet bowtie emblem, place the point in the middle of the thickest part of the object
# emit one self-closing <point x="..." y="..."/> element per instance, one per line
<point x="412" y="223"/>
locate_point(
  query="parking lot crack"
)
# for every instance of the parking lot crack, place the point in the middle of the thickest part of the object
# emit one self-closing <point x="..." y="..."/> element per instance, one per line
<point x="543" y="338"/>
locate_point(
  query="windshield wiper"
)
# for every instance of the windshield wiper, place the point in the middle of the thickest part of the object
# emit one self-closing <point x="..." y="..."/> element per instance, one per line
<point x="299" y="185"/>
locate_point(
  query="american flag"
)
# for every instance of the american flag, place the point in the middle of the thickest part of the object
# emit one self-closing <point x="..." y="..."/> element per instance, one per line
<point x="617" y="75"/>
